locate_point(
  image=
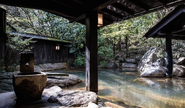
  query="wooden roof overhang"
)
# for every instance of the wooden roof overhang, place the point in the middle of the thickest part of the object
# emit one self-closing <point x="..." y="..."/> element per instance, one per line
<point x="112" y="10"/>
<point x="173" y="24"/>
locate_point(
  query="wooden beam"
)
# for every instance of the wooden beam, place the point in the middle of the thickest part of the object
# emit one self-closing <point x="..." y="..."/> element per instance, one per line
<point x="100" y="4"/>
<point x="96" y="5"/>
<point x="91" y="51"/>
<point x="3" y="36"/>
<point x="123" y="8"/>
<point x="113" y="13"/>
<point x="71" y="3"/>
<point x="169" y="55"/>
<point x="153" y="10"/>
<point x="140" y="4"/>
<point x="163" y="2"/>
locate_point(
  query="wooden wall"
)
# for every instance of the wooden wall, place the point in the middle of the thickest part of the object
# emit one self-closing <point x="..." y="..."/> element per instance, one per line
<point x="45" y="52"/>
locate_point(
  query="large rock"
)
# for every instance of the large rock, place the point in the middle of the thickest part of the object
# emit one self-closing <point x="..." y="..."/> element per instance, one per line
<point x="181" y="61"/>
<point x="52" y="97"/>
<point x="129" y="65"/>
<point x="92" y="105"/>
<point x="111" y="65"/>
<point x="63" y="81"/>
<point x="138" y="57"/>
<point x="70" y="98"/>
<point x="130" y="61"/>
<point x="47" y="67"/>
<point x="52" y="91"/>
<point x="76" y="98"/>
<point x="148" y="58"/>
<point x="179" y="70"/>
<point x="6" y="84"/>
<point x="155" y="70"/>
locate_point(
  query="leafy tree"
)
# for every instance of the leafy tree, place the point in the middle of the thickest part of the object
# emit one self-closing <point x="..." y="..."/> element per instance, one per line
<point x="15" y="45"/>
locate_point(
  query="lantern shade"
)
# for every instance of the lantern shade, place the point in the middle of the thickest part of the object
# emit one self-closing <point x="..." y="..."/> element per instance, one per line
<point x="100" y="20"/>
<point x="57" y="47"/>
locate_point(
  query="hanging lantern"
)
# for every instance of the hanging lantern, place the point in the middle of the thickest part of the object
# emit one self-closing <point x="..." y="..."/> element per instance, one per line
<point x="57" y="47"/>
<point x="100" y="20"/>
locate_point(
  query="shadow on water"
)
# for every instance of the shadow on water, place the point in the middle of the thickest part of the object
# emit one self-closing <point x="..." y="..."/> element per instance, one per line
<point x="123" y="87"/>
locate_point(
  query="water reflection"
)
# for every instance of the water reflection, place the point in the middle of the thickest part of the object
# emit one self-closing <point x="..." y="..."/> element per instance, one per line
<point x="127" y="87"/>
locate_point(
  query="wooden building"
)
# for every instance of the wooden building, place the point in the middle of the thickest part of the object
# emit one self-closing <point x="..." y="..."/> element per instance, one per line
<point x="48" y="50"/>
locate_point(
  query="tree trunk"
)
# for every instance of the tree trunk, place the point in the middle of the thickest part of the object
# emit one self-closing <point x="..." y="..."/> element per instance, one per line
<point x="126" y="45"/>
<point x="119" y="44"/>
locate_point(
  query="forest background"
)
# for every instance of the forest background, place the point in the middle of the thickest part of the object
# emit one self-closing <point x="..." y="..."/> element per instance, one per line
<point x="120" y="37"/>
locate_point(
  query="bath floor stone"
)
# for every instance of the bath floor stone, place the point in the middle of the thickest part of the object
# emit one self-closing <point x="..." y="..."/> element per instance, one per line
<point x="72" y="98"/>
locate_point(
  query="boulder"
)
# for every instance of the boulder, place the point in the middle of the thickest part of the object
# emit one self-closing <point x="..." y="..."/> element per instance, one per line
<point x="129" y="65"/>
<point x="129" y="69"/>
<point x="52" y="97"/>
<point x="6" y="84"/>
<point x="52" y="91"/>
<point x="74" y="98"/>
<point x="175" y="61"/>
<point x="181" y="61"/>
<point x="46" y="67"/>
<point x="63" y="81"/>
<point x="155" y="70"/>
<point x="148" y="58"/>
<point x="138" y="57"/>
<point x="111" y="65"/>
<point x="130" y="61"/>
<point x="161" y="61"/>
<point x="92" y="105"/>
<point x="69" y="98"/>
<point x="179" y="70"/>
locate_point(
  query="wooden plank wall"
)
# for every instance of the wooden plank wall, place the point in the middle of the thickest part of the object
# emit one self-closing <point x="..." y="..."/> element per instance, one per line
<point x="45" y="52"/>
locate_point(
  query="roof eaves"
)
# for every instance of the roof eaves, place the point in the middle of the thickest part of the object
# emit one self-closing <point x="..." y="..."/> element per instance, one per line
<point x="164" y="21"/>
<point x="39" y="37"/>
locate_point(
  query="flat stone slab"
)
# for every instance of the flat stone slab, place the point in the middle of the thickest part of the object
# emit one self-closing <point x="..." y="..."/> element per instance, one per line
<point x="72" y="98"/>
<point x="63" y="81"/>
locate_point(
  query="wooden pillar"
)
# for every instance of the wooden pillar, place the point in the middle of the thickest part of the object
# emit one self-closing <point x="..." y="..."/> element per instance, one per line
<point x="169" y="56"/>
<point x="91" y="51"/>
<point x="2" y="32"/>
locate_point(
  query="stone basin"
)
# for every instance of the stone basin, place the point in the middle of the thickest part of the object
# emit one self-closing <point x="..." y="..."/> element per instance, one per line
<point x="29" y="86"/>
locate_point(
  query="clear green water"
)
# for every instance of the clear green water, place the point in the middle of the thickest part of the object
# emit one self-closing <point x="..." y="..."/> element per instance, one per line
<point x="124" y="87"/>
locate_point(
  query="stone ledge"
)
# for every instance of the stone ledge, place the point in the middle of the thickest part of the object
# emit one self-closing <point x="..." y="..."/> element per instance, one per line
<point x="46" y="67"/>
<point x="66" y="99"/>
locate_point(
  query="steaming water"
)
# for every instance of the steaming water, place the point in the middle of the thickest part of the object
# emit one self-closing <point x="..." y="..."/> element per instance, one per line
<point x="124" y="87"/>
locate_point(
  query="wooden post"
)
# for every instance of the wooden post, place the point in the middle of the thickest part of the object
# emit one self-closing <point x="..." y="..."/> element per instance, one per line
<point x="91" y="51"/>
<point x="2" y="32"/>
<point x="169" y="56"/>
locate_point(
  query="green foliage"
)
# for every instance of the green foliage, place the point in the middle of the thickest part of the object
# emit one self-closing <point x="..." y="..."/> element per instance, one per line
<point x="129" y="31"/>
<point x="75" y="33"/>
<point x="80" y="60"/>
<point x="15" y="45"/>
<point x="18" y="44"/>
<point x="105" y="51"/>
